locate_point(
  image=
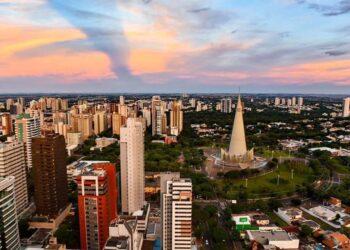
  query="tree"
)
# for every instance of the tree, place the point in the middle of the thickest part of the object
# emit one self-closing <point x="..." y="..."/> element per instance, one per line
<point x="274" y="204"/>
<point x="296" y="202"/>
<point x="219" y="234"/>
<point x="305" y="231"/>
<point x="24" y="230"/>
<point x="63" y="234"/>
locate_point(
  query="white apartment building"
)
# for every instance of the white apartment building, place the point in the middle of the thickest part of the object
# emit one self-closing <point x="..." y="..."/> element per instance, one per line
<point x="177" y="214"/>
<point x="132" y="166"/>
<point x="26" y="128"/>
<point x="346" y="107"/>
<point x="9" y="233"/>
<point x="12" y="163"/>
<point x="226" y="105"/>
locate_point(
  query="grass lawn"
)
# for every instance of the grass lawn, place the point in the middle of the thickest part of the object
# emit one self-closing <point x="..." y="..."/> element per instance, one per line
<point x="323" y="225"/>
<point x="266" y="185"/>
<point x="276" y="153"/>
<point x="277" y="220"/>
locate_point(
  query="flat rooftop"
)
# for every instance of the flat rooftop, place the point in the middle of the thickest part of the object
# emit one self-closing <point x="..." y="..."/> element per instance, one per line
<point x="265" y="236"/>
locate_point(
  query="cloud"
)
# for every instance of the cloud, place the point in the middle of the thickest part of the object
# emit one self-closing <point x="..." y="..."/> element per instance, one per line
<point x="340" y="8"/>
<point x="284" y="34"/>
<point x="199" y="10"/>
<point x="336" y="53"/>
<point x="97" y="19"/>
<point x="336" y="71"/>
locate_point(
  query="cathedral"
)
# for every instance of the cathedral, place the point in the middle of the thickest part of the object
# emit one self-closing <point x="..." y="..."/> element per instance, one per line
<point x="238" y="152"/>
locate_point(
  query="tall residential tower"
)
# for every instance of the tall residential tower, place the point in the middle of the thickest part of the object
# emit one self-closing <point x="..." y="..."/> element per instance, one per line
<point x="176" y="214"/>
<point x="12" y="163"/>
<point x="50" y="174"/>
<point x="132" y="166"/>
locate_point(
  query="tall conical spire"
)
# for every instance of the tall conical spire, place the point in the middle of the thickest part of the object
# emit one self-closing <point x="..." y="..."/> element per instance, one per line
<point x="238" y="146"/>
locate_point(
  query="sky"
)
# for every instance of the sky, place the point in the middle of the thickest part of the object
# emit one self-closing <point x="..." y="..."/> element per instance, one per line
<point x="182" y="46"/>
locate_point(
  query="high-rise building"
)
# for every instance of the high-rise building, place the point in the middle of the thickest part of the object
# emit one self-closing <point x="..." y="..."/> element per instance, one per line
<point x="26" y="128"/>
<point x="50" y="174"/>
<point x="199" y="106"/>
<point x="193" y="102"/>
<point x="176" y="118"/>
<point x="9" y="103"/>
<point x="277" y="101"/>
<point x="132" y="166"/>
<point x="177" y="214"/>
<point x="294" y="101"/>
<point x="6" y="124"/>
<point x="100" y="122"/>
<point x="97" y="200"/>
<point x="300" y="101"/>
<point x="226" y="105"/>
<point x="146" y="113"/>
<point x="12" y="163"/>
<point x="158" y="116"/>
<point x="83" y="123"/>
<point x="121" y="100"/>
<point x="123" y="110"/>
<point x="9" y="233"/>
<point x="346" y="107"/>
<point x="117" y="122"/>
<point x="283" y="101"/>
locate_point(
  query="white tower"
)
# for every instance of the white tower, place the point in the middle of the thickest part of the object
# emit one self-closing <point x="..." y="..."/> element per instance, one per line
<point x="238" y="146"/>
<point x="132" y="166"/>
<point x="346" y="106"/>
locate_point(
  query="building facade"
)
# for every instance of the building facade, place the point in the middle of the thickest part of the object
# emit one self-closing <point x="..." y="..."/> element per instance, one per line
<point x="158" y="116"/>
<point x="12" y="163"/>
<point x="50" y="174"/>
<point x="226" y="105"/>
<point x="346" y="107"/>
<point x="9" y="234"/>
<point x="97" y="200"/>
<point x="177" y="214"/>
<point x="176" y="118"/>
<point x="6" y="124"/>
<point x="132" y="166"/>
<point x="26" y="128"/>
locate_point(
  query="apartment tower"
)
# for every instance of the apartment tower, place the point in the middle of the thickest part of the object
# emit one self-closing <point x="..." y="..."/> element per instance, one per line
<point x="6" y="124"/>
<point x="9" y="233"/>
<point x="158" y="116"/>
<point x="177" y="214"/>
<point x="176" y="118"/>
<point x="346" y="107"/>
<point x="12" y="163"/>
<point x="50" y="174"/>
<point x="97" y="200"/>
<point x="132" y="166"/>
<point x="226" y="105"/>
<point x="26" y="128"/>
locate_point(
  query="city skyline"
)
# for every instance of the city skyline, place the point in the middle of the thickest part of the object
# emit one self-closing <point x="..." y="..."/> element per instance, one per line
<point x="158" y="46"/>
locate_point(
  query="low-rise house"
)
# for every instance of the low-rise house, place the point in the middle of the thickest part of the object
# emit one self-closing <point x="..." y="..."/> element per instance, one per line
<point x="337" y="241"/>
<point x="324" y="213"/>
<point x="289" y="215"/>
<point x="335" y="202"/>
<point x="273" y="239"/>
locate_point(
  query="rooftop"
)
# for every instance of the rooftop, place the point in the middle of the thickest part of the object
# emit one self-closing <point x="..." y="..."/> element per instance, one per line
<point x="265" y="236"/>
